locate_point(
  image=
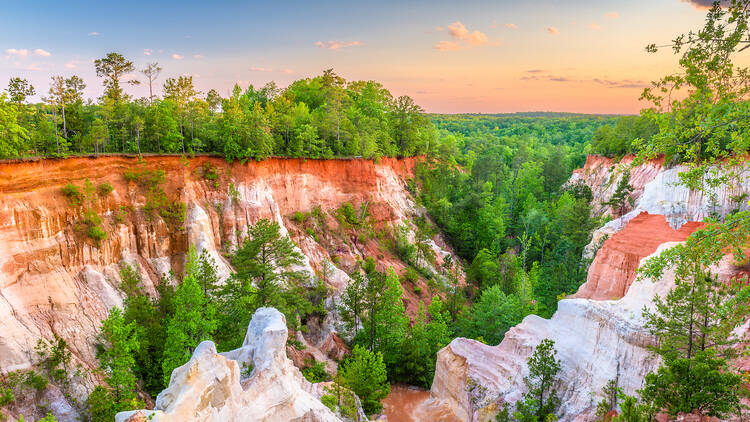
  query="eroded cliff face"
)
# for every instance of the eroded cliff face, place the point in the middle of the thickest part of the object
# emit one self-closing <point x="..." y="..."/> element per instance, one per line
<point x="216" y="387"/>
<point x="598" y="333"/>
<point x="55" y="280"/>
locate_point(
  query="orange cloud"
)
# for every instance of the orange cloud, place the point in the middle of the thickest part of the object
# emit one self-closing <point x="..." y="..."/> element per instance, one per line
<point x="552" y="30"/>
<point x="17" y="52"/>
<point x="612" y="15"/>
<point x="595" y="27"/>
<point x="177" y="56"/>
<point x="461" y="33"/>
<point x="335" y="45"/>
<point x="510" y="25"/>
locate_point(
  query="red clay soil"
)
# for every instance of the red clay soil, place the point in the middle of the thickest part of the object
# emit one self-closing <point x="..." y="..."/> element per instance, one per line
<point x="615" y="265"/>
<point x="406" y="404"/>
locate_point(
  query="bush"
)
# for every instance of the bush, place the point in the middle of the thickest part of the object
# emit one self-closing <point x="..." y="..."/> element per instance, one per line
<point x="412" y="275"/>
<point x="6" y="396"/>
<point x="299" y="217"/>
<point x="315" y="371"/>
<point x="73" y="193"/>
<point x="146" y="178"/>
<point x="36" y="381"/>
<point x="330" y="402"/>
<point x="365" y="374"/>
<point x="104" y="189"/>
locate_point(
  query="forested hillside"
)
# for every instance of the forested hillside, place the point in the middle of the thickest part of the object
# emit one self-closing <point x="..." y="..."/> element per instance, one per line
<point x="320" y="117"/>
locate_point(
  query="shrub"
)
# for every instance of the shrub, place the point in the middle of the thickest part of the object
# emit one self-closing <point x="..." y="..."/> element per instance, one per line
<point x="73" y="193"/>
<point x="146" y="178"/>
<point x="6" y="396"/>
<point x="315" y="371"/>
<point x="96" y="233"/>
<point x="35" y="381"/>
<point x="412" y="275"/>
<point x="417" y="290"/>
<point x="104" y="189"/>
<point x="329" y="401"/>
<point x="299" y="217"/>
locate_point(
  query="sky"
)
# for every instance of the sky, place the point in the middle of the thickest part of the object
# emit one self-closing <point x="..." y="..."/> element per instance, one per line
<point x="469" y="56"/>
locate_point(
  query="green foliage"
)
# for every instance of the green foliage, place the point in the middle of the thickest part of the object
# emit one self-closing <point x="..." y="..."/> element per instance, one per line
<point x="104" y="189"/>
<point x="711" y="121"/>
<point x="115" y="351"/>
<point x="617" y="139"/>
<point x="74" y="194"/>
<point x="194" y="322"/>
<point x="621" y="196"/>
<point x="416" y="365"/>
<point x="329" y="401"/>
<point x="265" y="275"/>
<point x="491" y="316"/>
<point x="365" y="374"/>
<point x="695" y="323"/>
<point x="540" y="402"/>
<point x="315" y="371"/>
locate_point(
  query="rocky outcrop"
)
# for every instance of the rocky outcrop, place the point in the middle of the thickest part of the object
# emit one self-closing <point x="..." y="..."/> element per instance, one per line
<point x="256" y="382"/>
<point x="614" y="267"/>
<point x="657" y="190"/>
<point x="54" y="280"/>
<point x="596" y="341"/>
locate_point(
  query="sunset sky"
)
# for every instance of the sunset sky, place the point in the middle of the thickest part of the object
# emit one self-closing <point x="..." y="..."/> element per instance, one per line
<point x="467" y="56"/>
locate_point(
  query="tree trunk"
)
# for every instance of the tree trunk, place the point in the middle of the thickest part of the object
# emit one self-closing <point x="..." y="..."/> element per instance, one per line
<point x="65" y="125"/>
<point x="57" y="142"/>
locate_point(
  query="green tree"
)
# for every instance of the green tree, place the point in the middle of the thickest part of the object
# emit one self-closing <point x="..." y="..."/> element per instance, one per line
<point x="19" y="89"/>
<point x="193" y="322"/>
<point x="113" y="68"/>
<point x="540" y="402"/>
<point x="491" y="316"/>
<point x="365" y="373"/>
<point x="116" y="353"/>
<point x="621" y="196"/>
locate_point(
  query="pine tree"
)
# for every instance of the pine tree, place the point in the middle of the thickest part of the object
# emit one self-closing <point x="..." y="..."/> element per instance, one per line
<point x="621" y="197"/>
<point x="540" y="402"/>
<point x="365" y="373"/>
<point x="193" y="321"/>
<point x="117" y="362"/>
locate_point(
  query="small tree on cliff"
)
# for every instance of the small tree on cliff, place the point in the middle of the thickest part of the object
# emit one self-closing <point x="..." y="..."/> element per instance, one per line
<point x="694" y="324"/>
<point x="621" y="197"/>
<point x="193" y="321"/>
<point x="540" y="401"/>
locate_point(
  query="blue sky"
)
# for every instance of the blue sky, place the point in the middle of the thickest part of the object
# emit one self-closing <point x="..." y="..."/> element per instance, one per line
<point x="470" y="56"/>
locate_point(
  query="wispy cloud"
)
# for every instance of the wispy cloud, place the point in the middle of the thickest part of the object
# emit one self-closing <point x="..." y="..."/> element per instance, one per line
<point x="177" y="56"/>
<point x="595" y="27"/>
<point x="287" y="71"/>
<point x="147" y="51"/>
<point x="260" y="69"/>
<point x="447" y="46"/>
<point x="22" y="52"/>
<point x="552" y="30"/>
<point x="93" y="34"/>
<point x="335" y="45"/>
<point x="511" y="26"/>
<point x="461" y="34"/>
<point x="612" y="15"/>
<point x="609" y="83"/>
<point x="199" y="56"/>
<point x="43" y="53"/>
<point x="535" y="71"/>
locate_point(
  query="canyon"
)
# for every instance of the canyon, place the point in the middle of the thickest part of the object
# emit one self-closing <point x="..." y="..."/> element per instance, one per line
<point x="598" y="332"/>
<point x="55" y="281"/>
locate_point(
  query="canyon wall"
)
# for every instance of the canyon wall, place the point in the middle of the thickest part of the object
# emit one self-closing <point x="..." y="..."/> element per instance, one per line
<point x="598" y="332"/>
<point x="57" y="281"/>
